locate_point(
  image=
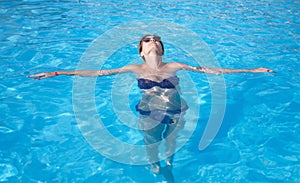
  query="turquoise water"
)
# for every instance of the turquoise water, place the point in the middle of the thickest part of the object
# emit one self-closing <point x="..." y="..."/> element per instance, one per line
<point x="259" y="137"/>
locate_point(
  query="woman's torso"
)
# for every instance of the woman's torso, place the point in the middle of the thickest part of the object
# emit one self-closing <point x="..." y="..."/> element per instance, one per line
<point x="161" y="93"/>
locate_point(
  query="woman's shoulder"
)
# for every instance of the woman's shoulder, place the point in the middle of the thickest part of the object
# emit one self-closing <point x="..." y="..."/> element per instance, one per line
<point x="133" y="66"/>
<point x="174" y="66"/>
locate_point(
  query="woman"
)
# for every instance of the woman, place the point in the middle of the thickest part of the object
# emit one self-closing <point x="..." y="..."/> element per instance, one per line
<point x="161" y="107"/>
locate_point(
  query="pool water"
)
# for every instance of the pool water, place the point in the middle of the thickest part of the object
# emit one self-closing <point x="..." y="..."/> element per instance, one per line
<point x="258" y="141"/>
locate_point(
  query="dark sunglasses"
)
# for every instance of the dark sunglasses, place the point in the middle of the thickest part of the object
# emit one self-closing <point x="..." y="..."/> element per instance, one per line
<point x="146" y="40"/>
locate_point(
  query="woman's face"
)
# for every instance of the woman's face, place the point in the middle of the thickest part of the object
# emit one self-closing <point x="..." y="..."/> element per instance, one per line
<point x="151" y="44"/>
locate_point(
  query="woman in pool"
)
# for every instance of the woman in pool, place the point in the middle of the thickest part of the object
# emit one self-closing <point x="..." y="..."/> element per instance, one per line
<point x="161" y="107"/>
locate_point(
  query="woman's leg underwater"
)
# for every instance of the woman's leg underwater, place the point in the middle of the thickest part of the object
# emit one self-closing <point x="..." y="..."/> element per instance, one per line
<point x="170" y="135"/>
<point x="152" y="139"/>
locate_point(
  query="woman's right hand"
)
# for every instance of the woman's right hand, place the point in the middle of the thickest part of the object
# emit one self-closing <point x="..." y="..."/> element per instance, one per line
<point x="43" y="75"/>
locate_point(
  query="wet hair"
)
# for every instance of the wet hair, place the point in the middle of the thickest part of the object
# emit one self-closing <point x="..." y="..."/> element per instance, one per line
<point x="140" y="46"/>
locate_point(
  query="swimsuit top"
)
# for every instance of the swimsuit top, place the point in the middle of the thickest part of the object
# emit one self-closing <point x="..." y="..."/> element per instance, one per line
<point x="160" y="97"/>
<point x="170" y="82"/>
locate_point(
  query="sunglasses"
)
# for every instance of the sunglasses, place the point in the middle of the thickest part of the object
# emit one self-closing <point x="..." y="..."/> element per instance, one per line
<point x="146" y="40"/>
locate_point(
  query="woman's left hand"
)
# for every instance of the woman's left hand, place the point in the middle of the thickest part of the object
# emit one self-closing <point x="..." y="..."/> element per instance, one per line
<point x="262" y="70"/>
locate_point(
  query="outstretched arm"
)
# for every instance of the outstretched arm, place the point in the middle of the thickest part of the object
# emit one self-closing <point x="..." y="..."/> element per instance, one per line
<point x="85" y="73"/>
<point x="224" y="70"/>
<point x="218" y="70"/>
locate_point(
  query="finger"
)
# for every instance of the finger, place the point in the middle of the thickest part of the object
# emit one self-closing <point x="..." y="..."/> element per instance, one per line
<point x="32" y="76"/>
<point x="37" y="76"/>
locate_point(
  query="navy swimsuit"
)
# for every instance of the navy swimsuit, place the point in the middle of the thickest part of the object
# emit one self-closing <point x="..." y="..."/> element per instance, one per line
<point x="166" y="83"/>
<point x="159" y="114"/>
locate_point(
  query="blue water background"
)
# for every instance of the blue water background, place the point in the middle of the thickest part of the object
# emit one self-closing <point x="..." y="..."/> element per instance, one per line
<point x="259" y="137"/>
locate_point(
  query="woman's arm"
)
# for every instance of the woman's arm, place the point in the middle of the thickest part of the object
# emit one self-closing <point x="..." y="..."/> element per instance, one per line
<point x="218" y="70"/>
<point x="85" y="73"/>
<point x="224" y="70"/>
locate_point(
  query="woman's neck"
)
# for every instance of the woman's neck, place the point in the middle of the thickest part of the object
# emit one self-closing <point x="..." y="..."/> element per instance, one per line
<point x="153" y="61"/>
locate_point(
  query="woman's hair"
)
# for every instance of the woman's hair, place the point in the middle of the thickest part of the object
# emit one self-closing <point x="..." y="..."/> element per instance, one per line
<point x="140" y="46"/>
